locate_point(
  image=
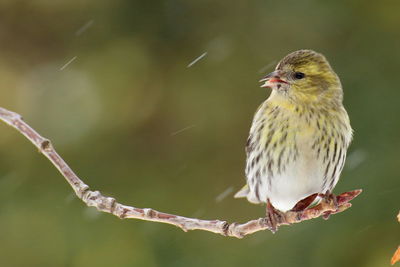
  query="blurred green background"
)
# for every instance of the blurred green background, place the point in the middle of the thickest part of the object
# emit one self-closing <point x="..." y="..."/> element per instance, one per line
<point x="135" y="122"/>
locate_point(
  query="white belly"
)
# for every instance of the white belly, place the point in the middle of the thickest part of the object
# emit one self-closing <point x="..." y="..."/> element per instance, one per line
<point x="302" y="176"/>
<point x="300" y="180"/>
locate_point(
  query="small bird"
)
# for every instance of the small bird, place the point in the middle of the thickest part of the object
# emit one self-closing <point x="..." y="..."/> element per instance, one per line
<point x="299" y="137"/>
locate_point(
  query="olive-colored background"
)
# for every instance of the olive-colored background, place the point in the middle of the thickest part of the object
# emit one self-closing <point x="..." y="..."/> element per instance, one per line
<point x="136" y="123"/>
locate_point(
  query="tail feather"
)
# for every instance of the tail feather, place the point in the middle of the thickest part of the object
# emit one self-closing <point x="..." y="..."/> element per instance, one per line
<point x="242" y="192"/>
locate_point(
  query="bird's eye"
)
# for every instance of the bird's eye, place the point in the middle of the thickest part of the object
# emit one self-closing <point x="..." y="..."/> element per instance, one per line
<point x="299" y="75"/>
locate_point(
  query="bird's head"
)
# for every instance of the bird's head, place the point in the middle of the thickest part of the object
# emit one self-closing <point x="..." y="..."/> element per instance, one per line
<point x="305" y="76"/>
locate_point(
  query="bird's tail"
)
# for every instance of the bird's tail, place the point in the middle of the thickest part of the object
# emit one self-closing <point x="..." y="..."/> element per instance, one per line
<point x="242" y="192"/>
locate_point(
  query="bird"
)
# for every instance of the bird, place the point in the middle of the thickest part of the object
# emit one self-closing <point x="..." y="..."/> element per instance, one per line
<point x="299" y="137"/>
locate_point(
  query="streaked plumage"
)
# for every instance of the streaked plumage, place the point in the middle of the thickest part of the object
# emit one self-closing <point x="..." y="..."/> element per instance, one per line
<point x="299" y="136"/>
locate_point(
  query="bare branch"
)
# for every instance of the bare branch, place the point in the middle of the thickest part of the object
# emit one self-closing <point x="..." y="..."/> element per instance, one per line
<point x="110" y="205"/>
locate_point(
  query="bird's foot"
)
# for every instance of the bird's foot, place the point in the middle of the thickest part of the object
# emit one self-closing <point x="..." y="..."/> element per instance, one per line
<point x="331" y="200"/>
<point x="273" y="217"/>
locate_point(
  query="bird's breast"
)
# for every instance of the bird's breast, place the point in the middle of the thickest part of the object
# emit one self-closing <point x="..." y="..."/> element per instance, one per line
<point x="291" y="153"/>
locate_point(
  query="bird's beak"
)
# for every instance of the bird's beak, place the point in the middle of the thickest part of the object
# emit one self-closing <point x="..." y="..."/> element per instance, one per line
<point x="271" y="78"/>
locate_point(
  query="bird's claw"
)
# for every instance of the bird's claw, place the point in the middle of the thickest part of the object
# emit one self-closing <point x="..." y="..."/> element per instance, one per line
<point x="273" y="217"/>
<point x="331" y="200"/>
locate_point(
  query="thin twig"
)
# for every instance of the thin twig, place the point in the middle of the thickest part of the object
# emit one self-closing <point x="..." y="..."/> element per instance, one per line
<point x="110" y="205"/>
